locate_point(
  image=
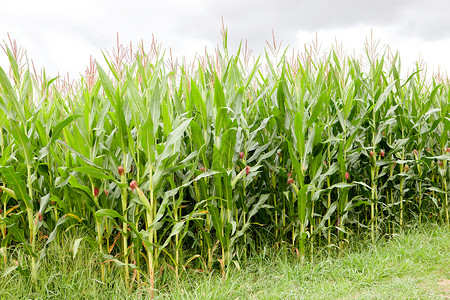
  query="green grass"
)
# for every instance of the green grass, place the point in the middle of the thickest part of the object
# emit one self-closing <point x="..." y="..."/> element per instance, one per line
<point x="411" y="265"/>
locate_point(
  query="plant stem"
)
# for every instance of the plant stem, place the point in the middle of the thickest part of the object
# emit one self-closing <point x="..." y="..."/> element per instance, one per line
<point x="152" y="235"/>
<point x="124" y="196"/>
<point x="32" y="224"/>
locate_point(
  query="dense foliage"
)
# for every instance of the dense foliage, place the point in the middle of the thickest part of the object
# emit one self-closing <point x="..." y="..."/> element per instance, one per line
<point x="203" y="163"/>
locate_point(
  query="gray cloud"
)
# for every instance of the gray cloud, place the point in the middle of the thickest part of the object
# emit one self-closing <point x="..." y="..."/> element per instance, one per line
<point x="427" y="20"/>
<point x="184" y="24"/>
<point x="254" y="19"/>
<point x="259" y="16"/>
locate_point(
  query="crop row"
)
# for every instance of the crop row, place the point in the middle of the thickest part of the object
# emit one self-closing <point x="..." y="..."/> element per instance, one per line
<point x="206" y="163"/>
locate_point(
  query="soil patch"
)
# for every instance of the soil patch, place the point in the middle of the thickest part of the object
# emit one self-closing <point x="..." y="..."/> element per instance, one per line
<point x="444" y="286"/>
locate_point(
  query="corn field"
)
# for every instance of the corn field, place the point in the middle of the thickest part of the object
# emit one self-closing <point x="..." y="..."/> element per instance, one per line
<point x="161" y="163"/>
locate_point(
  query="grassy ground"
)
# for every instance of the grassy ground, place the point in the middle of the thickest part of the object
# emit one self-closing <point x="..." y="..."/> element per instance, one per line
<point x="413" y="265"/>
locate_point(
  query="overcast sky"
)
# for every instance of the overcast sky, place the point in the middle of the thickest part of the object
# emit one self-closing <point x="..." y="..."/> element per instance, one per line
<point x="61" y="35"/>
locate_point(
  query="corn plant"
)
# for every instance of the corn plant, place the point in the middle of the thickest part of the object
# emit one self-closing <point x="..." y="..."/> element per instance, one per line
<point x="171" y="166"/>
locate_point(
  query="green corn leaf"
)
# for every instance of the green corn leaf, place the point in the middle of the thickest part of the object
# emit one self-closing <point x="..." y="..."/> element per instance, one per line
<point x="217" y="221"/>
<point x="97" y="173"/>
<point x="296" y="164"/>
<point x="14" y="180"/>
<point x="109" y="213"/>
<point x="9" y="192"/>
<point x="75" y="184"/>
<point x="76" y="246"/>
<point x="257" y="206"/>
<point x="173" y="138"/>
<point x="56" y="133"/>
<point x="302" y="199"/>
<point x="11" y="96"/>
<point x="340" y="185"/>
<point x="281" y="95"/>
<point x="223" y="121"/>
<point x="384" y="96"/>
<point x="299" y="134"/>
<point x="327" y="215"/>
<point x="148" y="140"/>
<point x="155" y="103"/>
<point x="117" y="262"/>
<point x="317" y="109"/>
<point x="227" y="148"/>
<point x="79" y="155"/>
<point x="52" y="236"/>
<point x="18" y="234"/>
<point x="117" y="103"/>
<point x="198" y="100"/>
<point x="219" y="96"/>
<point x="23" y="142"/>
<point x="13" y="64"/>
